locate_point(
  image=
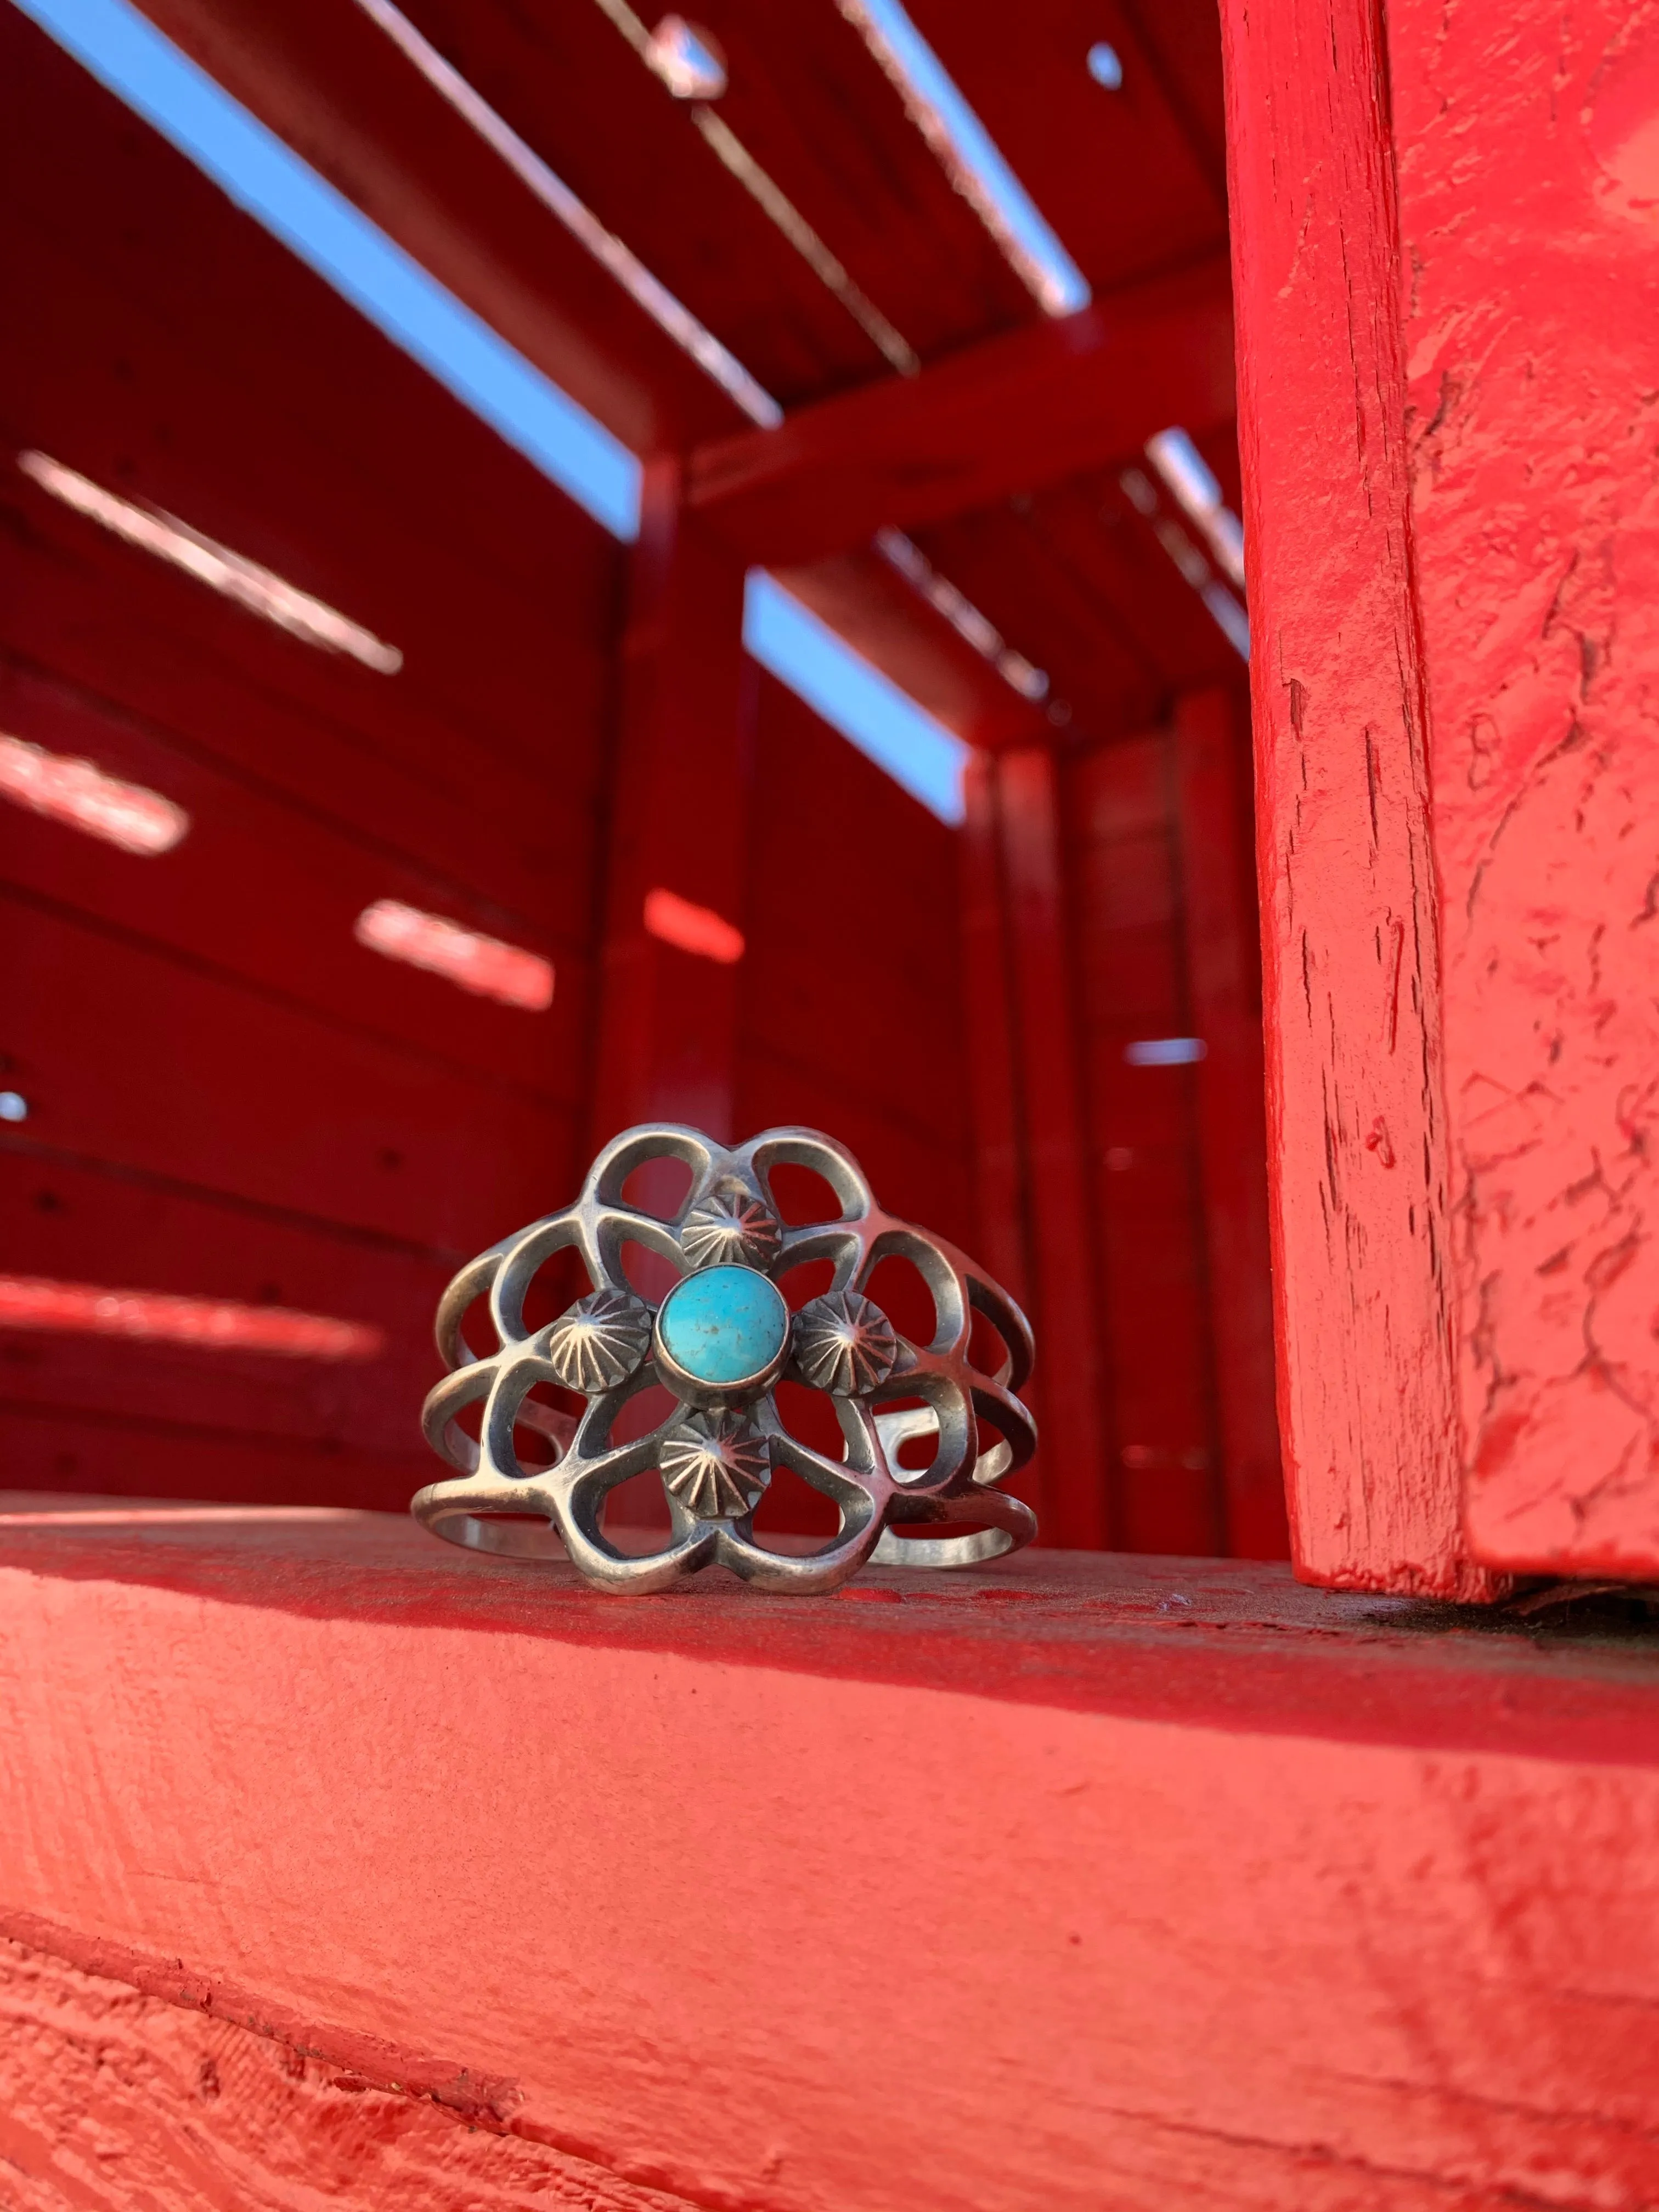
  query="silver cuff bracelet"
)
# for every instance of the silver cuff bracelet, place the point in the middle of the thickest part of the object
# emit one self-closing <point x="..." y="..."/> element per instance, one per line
<point x="720" y="1340"/>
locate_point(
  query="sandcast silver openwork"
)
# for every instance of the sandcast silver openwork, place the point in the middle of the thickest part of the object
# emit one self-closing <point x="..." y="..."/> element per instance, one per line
<point x="720" y="1340"/>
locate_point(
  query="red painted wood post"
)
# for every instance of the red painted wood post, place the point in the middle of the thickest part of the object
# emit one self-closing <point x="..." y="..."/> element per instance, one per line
<point x="1074" y="1463"/>
<point x="1001" y="1238"/>
<point x="667" y="1018"/>
<point x="988" y="1015"/>
<point x="1448" y="316"/>
<point x="1357" y="1142"/>
<point x="1124" y="907"/>
<point x="1210" y="740"/>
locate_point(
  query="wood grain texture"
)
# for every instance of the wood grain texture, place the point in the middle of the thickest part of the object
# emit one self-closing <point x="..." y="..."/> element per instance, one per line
<point x="1528" y="210"/>
<point x="111" y="2099"/>
<point x="1264" y="1900"/>
<point x="1357" y="1125"/>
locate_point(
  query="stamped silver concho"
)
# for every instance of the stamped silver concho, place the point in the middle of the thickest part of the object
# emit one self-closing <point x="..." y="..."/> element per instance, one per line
<point x="721" y="1340"/>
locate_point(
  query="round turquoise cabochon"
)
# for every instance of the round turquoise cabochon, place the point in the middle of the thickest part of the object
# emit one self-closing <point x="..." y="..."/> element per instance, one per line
<point x="724" y="1325"/>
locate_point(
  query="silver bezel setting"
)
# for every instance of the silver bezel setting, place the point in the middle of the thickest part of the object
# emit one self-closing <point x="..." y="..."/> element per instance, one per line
<point x="696" y="1390"/>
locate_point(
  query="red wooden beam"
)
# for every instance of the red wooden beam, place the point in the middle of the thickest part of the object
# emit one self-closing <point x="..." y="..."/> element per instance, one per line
<point x="1007" y="416"/>
<point x="1235" y="1893"/>
<point x="668" y="1000"/>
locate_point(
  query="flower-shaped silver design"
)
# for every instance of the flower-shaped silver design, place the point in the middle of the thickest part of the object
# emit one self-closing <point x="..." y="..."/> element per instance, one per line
<point x="601" y="1341"/>
<point x="731" y="1228"/>
<point x="716" y="1464"/>
<point x="717" y="1449"/>
<point x="844" y="1342"/>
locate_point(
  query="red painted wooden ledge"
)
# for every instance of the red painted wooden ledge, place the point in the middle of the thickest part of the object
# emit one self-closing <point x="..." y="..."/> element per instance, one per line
<point x="1084" y="1881"/>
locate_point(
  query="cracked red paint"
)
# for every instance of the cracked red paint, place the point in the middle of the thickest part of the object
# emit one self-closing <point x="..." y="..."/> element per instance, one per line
<point x="1533" y="406"/>
<point x="1358" y="1138"/>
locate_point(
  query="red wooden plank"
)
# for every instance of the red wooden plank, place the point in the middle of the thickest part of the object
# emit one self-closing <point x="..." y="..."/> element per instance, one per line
<point x="677" y="823"/>
<point x="638" y="160"/>
<point x="1009" y="415"/>
<point x="66" y="1221"/>
<point x="1130" y="179"/>
<point x="1183" y="46"/>
<point x="267" y="894"/>
<point x="1002" y="1216"/>
<point x="481" y="569"/>
<point x="65" y="1449"/>
<point x="206" y="2104"/>
<point x="83" y="591"/>
<point x="332" y="85"/>
<point x="98" y="634"/>
<point x="1357" y="1142"/>
<point x="1212" y="743"/>
<point x="1531" y="335"/>
<point x="133" y="1057"/>
<point x="142" y="412"/>
<point x="1212" y="1780"/>
<point x="913" y="1174"/>
<point x="572" y="88"/>
<point x="1117" y="809"/>
<point x="807" y="100"/>
<point x="1073" y="1467"/>
<point x="146" y="237"/>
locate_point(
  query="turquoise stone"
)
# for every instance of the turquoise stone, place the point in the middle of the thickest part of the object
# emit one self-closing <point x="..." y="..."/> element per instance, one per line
<point x="724" y="1324"/>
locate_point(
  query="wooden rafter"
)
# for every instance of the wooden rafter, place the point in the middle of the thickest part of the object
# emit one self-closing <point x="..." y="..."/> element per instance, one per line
<point x="1009" y="414"/>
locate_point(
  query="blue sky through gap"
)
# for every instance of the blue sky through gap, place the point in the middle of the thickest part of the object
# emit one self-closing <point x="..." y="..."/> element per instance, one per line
<point x="125" y="53"/>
